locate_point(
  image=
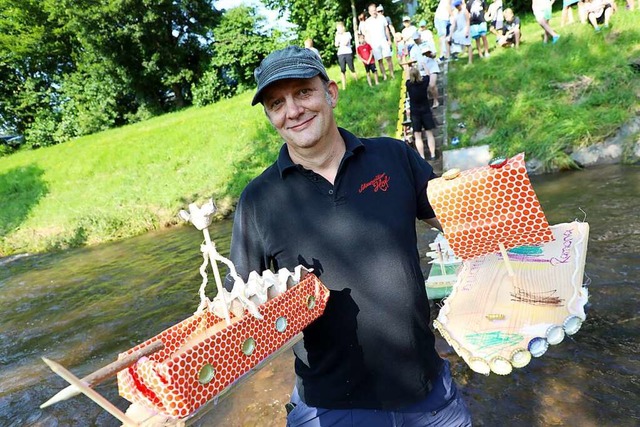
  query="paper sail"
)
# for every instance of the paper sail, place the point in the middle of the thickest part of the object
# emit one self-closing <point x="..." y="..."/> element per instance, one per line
<point x="202" y="355"/>
<point x="496" y="322"/>
<point x="482" y="207"/>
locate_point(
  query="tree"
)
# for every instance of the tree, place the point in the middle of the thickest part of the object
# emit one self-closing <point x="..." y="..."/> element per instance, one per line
<point x="241" y="42"/>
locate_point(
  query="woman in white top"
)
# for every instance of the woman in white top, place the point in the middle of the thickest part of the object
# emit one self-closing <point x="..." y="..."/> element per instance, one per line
<point x="345" y="53"/>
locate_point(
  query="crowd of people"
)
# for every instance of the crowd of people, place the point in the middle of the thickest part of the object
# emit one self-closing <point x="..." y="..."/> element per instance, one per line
<point x="458" y="26"/>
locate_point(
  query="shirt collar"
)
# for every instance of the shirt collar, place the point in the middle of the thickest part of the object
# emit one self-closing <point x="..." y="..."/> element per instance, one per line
<point x="352" y="146"/>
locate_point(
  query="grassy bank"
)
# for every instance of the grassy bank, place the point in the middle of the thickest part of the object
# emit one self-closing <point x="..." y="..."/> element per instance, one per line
<point x="548" y="99"/>
<point x="125" y="181"/>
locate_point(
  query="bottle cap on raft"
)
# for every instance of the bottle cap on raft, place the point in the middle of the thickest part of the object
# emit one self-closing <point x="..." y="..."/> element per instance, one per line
<point x="572" y="325"/>
<point x="451" y="174"/>
<point x="538" y="346"/>
<point x="498" y="162"/>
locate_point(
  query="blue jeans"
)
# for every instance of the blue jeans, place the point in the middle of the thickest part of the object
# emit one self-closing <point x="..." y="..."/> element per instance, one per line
<point x="431" y="412"/>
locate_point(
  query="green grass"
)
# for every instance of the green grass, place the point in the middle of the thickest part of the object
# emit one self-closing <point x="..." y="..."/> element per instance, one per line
<point x="548" y="99"/>
<point x="129" y="180"/>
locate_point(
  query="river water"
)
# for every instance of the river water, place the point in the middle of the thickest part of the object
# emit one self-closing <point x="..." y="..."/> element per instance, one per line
<point x="82" y="307"/>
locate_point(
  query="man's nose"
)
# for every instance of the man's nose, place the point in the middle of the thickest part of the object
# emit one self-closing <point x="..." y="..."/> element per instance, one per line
<point x="294" y="109"/>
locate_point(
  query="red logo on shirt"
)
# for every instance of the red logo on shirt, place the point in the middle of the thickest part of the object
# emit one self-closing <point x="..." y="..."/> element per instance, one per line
<point x="380" y="182"/>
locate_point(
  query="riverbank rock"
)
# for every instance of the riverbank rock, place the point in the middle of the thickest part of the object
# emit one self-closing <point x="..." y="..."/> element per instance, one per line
<point x="624" y="146"/>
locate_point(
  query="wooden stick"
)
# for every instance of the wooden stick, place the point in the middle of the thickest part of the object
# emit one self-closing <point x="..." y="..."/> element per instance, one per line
<point x="505" y="257"/>
<point x="89" y="392"/>
<point x="104" y="373"/>
<point x="216" y="274"/>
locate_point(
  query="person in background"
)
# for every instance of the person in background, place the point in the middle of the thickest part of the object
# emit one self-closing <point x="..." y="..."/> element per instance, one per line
<point x="377" y="34"/>
<point x="495" y="17"/>
<point x="345" y="54"/>
<point x="442" y="23"/>
<point x="420" y="111"/>
<point x="426" y="35"/>
<point x="308" y="43"/>
<point x="365" y="54"/>
<point x="510" y="31"/>
<point x="460" y="31"/>
<point x="599" y="12"/>
<point x="401" y="52"/>
<point x="567" y="14"/>
<point x="346" y="207"/>
<point x="361" y="23"/>
<point x="392" y="29"/>
<point x="407" y="33"/>
<point x="423" y="57"/>
<point x="542" y="13"/>
<point x="478" y="29"/>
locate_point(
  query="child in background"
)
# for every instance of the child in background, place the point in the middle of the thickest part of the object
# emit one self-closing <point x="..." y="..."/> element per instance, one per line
<point x="308" y="43"/>
<point x="365" y="52"/>
<point x="401" y="50"/>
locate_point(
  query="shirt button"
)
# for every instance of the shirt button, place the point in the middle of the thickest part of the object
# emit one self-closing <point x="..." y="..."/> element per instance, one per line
<point x="330" y="191"/>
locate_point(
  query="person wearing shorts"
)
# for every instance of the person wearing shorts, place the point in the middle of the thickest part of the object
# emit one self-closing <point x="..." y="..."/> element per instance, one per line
<point x="442" y="23"/>
<point x="542" y="12"/>
<point x="378" y="36"/>
<point x="599" y="12"/>
<point x="478" y="25"/>
<point x="345" y="53"/>
<point x="366" y="56"/>
<point x="421" y="115"/>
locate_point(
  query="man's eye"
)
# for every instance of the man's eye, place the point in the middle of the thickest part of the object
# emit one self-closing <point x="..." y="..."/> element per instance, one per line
<point x="305" y="91"/>
<point x="275" y="104"/>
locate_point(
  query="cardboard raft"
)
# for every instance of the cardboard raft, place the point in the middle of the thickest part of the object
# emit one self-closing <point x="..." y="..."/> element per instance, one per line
<point x="495" y="321"/>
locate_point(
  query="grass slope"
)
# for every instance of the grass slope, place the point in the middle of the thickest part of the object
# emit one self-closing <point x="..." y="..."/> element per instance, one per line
<point x="125" y="181"/>
<point x="548" y="99"/>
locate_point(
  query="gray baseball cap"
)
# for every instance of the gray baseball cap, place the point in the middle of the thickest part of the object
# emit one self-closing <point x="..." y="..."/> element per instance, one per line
<point x="292" y="62"/>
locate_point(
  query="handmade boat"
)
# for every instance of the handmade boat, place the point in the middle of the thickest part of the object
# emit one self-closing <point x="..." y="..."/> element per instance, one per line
<point x="445" y="266"/>
<point x="194" y="362"/>
<point x="520" y="288"/>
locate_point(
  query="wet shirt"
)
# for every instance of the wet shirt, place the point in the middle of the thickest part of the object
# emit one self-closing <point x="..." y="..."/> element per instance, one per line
<point x="372" y="348"/>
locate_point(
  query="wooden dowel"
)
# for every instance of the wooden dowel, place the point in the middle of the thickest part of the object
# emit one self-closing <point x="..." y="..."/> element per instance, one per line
<point x="90" y="393"/>
<point x="104" y="373"/>
<point x="505" y="257"/>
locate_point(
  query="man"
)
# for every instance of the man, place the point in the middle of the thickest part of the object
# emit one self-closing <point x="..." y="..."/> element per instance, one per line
<point x="442" y="23"/>
<point x="495" y="16"/>
<point x="424" y="56"/>
<point x="376" y="32"/>
<point x="380" y="11"/>
<point x="346" y="207"/>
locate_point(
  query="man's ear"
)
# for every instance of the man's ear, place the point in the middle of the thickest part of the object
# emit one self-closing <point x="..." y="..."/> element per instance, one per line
<point x="332" y="88"/>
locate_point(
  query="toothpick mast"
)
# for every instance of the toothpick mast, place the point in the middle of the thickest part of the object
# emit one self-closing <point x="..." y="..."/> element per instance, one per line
<point x="90" y="393"/>
<point x="505" y="257"/>
<point x="104" y="373"/>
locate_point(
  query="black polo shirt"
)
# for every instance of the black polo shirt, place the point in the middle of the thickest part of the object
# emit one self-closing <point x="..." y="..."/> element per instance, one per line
<point x="372" y="348"/>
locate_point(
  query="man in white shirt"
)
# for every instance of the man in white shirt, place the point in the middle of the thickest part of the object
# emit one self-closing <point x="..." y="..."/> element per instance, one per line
<point x="378" y="36"/>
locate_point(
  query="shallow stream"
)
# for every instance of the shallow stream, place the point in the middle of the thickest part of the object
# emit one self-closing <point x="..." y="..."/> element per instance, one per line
<point x="82" y="307"/>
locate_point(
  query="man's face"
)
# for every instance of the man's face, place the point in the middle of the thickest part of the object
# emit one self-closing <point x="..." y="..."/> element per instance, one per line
<point x="372" y="10"/>
<point x="301" y="110"/>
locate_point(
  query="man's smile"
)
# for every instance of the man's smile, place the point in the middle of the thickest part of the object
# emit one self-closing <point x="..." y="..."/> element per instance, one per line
<point x="299" y="126"/>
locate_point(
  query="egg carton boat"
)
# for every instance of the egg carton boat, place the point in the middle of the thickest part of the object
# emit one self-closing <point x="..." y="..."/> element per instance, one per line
<point x="520" y="288"/>
<point x="177" y="376"/>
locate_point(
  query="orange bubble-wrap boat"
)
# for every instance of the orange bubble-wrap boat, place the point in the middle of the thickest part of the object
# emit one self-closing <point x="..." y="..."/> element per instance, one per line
<point x="202" y="356"/>
<point x="520" y="287"/>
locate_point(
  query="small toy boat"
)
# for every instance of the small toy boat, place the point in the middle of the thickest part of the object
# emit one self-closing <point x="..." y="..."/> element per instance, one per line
<point x="444" y="269"/>
<point x="170" y="377"/>
<point x="520" y="287"/>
